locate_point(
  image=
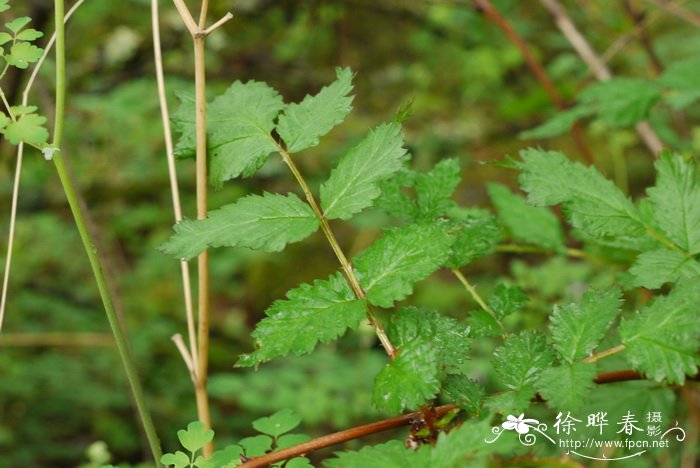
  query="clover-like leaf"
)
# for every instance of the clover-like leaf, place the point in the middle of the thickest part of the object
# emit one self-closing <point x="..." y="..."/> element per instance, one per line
<point x="196" y="436"/>
<point x="277" y="424"/>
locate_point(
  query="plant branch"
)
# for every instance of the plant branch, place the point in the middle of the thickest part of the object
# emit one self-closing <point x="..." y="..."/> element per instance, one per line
<point x="678" y="11"/>
<point x="342" y="436"/>
<point x="172" y="174"/>
<point x="90" y="249"/>
<point x="517" y="248"/>
<point x="344" y="262"/>
<point x="537" y="69"/>
<point x="228" y="16"/>
<point x="596" y="65"/>
<point x="472" y="291"/>
<point x="406" y="419"/>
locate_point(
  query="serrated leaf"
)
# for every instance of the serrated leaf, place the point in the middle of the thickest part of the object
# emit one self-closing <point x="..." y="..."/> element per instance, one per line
<point x="409" y="380"/>
<point x="683" y="79"/>
<point x="663" y="338"/>
<point x="477" y="235"/>
<point x="591" y="202"/>
<point x="390" y="266"/>
<point x="507" y="300"/>
<point x="511" y="401"/>
<point x="23" y="53"/>
<point x="526" y="223"/>
<point x="621" y="102"/>
<point x="521" y="358"/>
<point x="178" y="459"/>
<point x="28" y="128"/>
<point x="434" y="189"/>
<point x="566" y="388"/>
<point x="18" y="23"/>
<point x="256" y="445"/>
<point x="463" y="391"/>
<point x="462" y="446"/>
<point x="195" y="437"/>
<point x="267" y="222"/>
<point x="394" y="200"/>
<point x="301" y="125"/>
<point x="481" y="324"/>
<point x="559" y="124"/>
<point x="676" y="200"/>
<point x="228" y="457"/>
<point x="578" y="328"/>
<point x="655" y="268"/>
<point x="321" y="311"/>
<point x="29" y="35"/>
<point x="277" y="424"/>
<point x="444" y="334"/>
<point x="239" y="126"/>
<point x="354" y="184"/>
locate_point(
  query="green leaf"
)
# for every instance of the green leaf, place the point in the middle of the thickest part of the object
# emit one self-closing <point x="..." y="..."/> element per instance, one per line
<point x="29" y="35"/>
<point x="655" y="268"/>
<point x="521" y="358"/>
<point x="279" y="423"/>
<point x="676" y="200"/>
<point x="4" y="37"/>
<point x="566" y="388"/>
<point x="507" y="300"/>
<point x="478" y="234"/>
<point x="683" y="79"/>
<point x="592" y="203"/>
<point x="301" y="125"/>
<point x="511" y="401"/>
<point x="409" y="380"/>
<point x="267" y="222"/>
<point x="662" y="340"/>
<point x="463" y="391"/>
<point x="4" y="120"/>
<point x="559" y="124"/>
<point x="444" y="334"/>
<point x="390" y="266"/>
<point x="228" y="457"/>
<point x="298" y="462"/>
<point x="288" y="440"/>
<point x="321" y="311"/>
<point x="621" y="102"/>
<point x="4" y="6"/>
<point x="578" y="328"/>
<point x="18" y="23"/>
<point x="28" y="128"/>
<point x="354" y="184"/>
<point x="526" y="223"/>
<point x="256" y="445"/>
<point x="195" y="437"/>
<point x="24" y="53"/>
<point x="392" y="454"/>
<point x="239" y="126"/>
<point x="481" y="324"/>
<point x="178" y="459"/>
<point x="434" y="189"/>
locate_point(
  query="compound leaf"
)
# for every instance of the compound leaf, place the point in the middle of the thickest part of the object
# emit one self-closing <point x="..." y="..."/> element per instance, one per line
<point x="391" y="265"/>
<point x="321" y="311"/>
<point x="301" y="125"/>
<point x="354" y="184"/>
<point x="267" y="222"/>
<point x="578" y="328"/>
<point x="662" y="340"/>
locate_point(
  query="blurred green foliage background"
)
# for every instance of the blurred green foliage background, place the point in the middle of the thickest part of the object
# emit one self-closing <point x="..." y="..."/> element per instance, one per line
<point x="472" y="95"/>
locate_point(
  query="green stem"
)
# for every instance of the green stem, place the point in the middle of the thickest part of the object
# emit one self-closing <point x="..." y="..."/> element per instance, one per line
<point x="602" y="354"/>
<point x="517" y="248"/>
<point x="80" y="221"/>
<point x="475" y="295"/>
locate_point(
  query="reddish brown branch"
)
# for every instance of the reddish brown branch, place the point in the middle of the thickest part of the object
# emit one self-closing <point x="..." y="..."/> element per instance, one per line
<point x="536" y="67"/>
<point x="406" y="419"/>
<point x="342" y="436"/>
